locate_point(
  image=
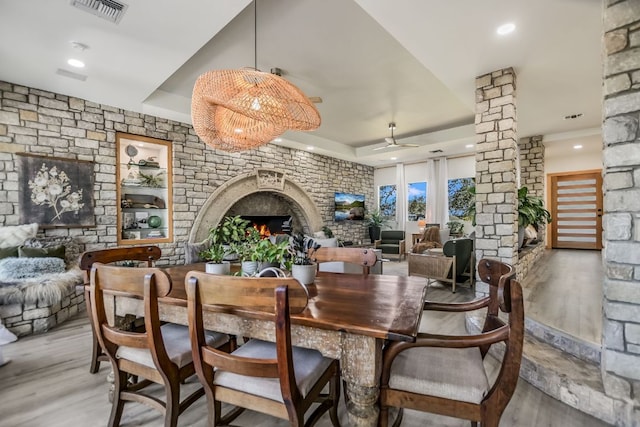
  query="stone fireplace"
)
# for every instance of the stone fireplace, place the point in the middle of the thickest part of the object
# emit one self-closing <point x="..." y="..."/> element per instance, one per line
<point x="263" y="193"/>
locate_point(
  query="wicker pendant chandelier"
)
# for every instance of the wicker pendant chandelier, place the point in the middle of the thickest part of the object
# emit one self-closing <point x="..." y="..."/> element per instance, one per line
<point x="235" y="110"/>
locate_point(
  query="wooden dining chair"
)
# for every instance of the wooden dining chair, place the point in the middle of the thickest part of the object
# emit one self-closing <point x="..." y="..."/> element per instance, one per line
<point x="148" y="254"/>
<point x="364" y="257"/>
<point x="445" y="374"/>
<point x="273" y="378"/>
<point x="160" y="354"/>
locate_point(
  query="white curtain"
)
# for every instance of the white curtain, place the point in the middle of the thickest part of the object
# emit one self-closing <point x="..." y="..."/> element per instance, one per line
<point x="437" y="192"/>
<point x="400" y="196"/>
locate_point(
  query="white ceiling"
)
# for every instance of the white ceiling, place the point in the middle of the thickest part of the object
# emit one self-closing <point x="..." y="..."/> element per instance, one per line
<point x="413" y="62"/>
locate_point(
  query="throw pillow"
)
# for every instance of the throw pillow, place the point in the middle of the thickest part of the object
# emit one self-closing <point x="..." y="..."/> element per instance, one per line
<point x="9" y="252"/>
<point x="12" y="269"/>
<point x="192" y="251"/>
<point x="53" y="251"/>
<point x="15" y="235"/>
<point x="71" y="248"/>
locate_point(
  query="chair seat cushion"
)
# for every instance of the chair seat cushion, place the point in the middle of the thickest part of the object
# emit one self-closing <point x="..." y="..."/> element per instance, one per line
<point x="389" y="248"/>
<point x="308" y="365"/>
<point x="177" y="343"/>
<point x="450" y="373"/>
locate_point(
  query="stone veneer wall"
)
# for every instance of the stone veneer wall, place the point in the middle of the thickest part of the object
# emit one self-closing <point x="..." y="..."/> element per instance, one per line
<point x="26" y="319"/>
<point x="496" y="164"/>
<point x="532" y="165"/>
<point x="47" y="123"/>
<point x="531" y="176"/>
<point x="621" y="222"/>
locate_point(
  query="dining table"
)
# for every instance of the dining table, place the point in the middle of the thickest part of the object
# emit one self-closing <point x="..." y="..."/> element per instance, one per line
<point x="348" y="317"/>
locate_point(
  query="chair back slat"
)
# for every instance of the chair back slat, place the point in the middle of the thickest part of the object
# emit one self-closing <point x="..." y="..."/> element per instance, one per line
<point x="127" y="280"/>
<point x="250" y="293"/>
<point x="265" y="368"/>
<point x="364" y="257"/>
<point x="148" y="253"/>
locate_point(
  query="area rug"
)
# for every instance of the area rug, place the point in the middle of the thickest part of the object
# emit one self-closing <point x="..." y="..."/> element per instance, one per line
<point x="47" y="289"/>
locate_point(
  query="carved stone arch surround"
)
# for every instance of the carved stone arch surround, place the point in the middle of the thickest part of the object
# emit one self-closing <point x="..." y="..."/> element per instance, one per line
<point x="270" y="180"/>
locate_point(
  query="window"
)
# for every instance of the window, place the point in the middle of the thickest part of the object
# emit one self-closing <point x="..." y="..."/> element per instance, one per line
<point x="417" y="201"/>
<point x="460" y="198"/>
<point x="387" y="197"/>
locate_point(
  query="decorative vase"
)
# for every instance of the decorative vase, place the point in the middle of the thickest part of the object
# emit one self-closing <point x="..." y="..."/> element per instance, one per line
<point x="249" y="268"/>
<point x="154" y="221"/>
<point x="305" y="274"/>
<point x="520" y="237"/>
<point x="223" y="267"/>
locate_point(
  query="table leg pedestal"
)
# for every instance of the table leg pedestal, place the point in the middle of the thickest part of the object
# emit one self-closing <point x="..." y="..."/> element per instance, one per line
<point x="361" y="367"/>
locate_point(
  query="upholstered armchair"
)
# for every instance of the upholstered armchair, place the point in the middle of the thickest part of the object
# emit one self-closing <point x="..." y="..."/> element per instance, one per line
<point x="392" y="242"/>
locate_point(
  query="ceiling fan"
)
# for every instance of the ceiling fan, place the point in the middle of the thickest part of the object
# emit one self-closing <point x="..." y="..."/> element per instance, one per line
<point x="392" y="141"/>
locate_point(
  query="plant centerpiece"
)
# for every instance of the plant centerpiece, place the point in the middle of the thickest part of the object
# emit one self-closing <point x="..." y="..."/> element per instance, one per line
<point x="302" y="249"/>
<point x="375" y="220"/>
<point x="231" y="231"/>
<point x="244" y="249"/>
<point x="269" y="254"/>
<point x="215" y="259"/>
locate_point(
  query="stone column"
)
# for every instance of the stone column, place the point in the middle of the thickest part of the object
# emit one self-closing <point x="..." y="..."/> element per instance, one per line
<point x="621" y="222"/>
<point x="496" y="165"/>
<point x="532" y="171"/>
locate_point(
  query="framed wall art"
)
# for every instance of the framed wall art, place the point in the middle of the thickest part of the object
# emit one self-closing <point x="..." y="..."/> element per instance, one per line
<point x="56" y="192"/>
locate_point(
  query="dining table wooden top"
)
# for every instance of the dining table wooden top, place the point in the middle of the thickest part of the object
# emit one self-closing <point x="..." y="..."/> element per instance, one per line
<point x="386" y="307"/>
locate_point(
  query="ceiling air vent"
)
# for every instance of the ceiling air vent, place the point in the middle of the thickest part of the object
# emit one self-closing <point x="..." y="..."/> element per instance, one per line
<point x="436" y="151"/>
<point x="107" y="9"/>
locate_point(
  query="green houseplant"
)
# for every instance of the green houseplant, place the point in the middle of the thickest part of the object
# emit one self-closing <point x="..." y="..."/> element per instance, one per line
<point x="268" y="254"/>
<point x="301" y="250"/>
<point x="375" y="220"/>
<point x="231" y="231"/>
<point x="531" y="211"/>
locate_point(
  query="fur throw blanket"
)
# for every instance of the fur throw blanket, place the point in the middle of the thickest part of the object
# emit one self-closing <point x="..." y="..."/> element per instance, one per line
<point x="430" y="239"/>
<point x="47" y="289"/>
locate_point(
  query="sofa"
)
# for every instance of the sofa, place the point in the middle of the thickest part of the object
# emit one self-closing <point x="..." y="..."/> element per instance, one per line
<point x="38" y="279"/>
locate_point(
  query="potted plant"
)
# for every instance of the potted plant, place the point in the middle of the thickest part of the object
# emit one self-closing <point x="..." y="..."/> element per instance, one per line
<point x="268" y="254"/>
<point x="215" y="259"/>
<point x="302" y="249"/>
<point x="229" y="232"/>
<point x="531" y="211"/>
<point x="244" y="250"/>
<point x="375" y="220"/>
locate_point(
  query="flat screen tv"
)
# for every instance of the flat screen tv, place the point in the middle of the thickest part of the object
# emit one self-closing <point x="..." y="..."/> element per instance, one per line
<point x="349" y="207"/>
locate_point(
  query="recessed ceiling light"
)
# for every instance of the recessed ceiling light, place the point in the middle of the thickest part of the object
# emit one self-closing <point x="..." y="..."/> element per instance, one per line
<point x="577" y="147"/>
<point x="469" y="146"/>
<point x="75" y="63"/>
<point x="277" y="140"/>
<point x="394" y="158"/>
<point x="310" y="148"/>
<point x="506" y="28"/>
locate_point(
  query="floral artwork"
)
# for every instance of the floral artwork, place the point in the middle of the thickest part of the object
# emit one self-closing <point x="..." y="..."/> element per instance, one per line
<point x="56" y="192"/>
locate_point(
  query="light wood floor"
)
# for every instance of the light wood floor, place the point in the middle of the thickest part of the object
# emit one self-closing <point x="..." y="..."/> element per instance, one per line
<point x="564" y="291"/>
<point x="47" y="383"/>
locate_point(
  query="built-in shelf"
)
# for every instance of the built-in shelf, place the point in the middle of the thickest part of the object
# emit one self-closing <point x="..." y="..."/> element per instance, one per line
<point x="143" y="189"/>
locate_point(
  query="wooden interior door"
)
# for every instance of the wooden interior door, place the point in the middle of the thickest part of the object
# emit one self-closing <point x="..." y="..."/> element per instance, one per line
<point x="576" y="207"/>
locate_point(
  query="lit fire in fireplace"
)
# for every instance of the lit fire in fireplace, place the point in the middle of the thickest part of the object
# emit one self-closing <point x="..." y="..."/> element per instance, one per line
<point x="263" y="230"/>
